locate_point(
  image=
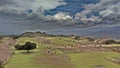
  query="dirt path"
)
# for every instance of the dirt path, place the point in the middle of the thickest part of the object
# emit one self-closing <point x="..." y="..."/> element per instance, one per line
<point x="53" y="61"/>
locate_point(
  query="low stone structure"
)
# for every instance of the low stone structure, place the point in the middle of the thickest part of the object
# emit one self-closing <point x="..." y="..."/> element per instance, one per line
<point x="5" y="52"/>
<point x="90" y="48"/>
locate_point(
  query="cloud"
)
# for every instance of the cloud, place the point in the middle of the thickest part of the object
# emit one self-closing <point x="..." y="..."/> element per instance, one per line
<point x="34" y="10"/>
<point x="113" y="9"/>
<point x="62" y="16"/>
<point x="82" y="16"/>
<point x="28" y="6"/>
<point x="104" y="8"/>
<point x="91" y="19"/>
<point x="101" y="5"/>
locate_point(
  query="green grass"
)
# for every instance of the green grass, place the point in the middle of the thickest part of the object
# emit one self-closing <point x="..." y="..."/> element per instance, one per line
<point x="25" y="39"/>
<point x="23" y="60"/>
<point x="4" y="40"/>
<point x="61" y="41"/>
<point x="115" y="44"/>
<point x="65" y="41"/>
<point x="37" y="59"/>
<point x="89" y="60"/>
<point x="20" y="60"/>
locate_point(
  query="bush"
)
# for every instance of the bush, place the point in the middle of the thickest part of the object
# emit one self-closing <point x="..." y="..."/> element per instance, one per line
<point x="110" y="42"/>
<point x="77" y="37"/>
<point x="1" y="66"/>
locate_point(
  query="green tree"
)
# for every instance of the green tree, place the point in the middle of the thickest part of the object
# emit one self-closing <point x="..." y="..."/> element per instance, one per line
<point x="27" y="46"/>
<point x="19" y="47"/>
<point x="77" y="37"/>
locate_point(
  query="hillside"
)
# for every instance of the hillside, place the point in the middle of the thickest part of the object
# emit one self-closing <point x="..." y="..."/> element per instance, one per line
<point x="59" y="51"/>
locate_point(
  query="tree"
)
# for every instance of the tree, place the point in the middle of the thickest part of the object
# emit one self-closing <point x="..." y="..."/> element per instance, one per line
<point x="77" y="37"/>
<point x="19" y="47"/>
<point x="27" y="46"/>
<point x="1" y="65"/>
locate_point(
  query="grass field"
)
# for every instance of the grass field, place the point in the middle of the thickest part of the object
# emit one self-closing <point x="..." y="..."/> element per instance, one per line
<point x="90" y="60"/>
<point x="39" y="58"/>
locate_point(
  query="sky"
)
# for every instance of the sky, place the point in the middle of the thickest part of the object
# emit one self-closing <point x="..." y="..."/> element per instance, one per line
<point x="56" y="14"/>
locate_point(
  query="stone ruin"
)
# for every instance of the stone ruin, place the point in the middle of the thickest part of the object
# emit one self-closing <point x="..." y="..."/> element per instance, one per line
<point x="5" y="52"/>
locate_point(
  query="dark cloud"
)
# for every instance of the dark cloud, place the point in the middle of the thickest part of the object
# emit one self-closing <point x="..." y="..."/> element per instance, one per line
<point x="72" y="13"/>
<point x="5" y="2"/>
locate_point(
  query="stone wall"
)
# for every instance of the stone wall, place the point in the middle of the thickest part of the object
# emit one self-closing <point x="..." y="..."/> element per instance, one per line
<point x="91" y="49"/>
<point x="5" y="52"/>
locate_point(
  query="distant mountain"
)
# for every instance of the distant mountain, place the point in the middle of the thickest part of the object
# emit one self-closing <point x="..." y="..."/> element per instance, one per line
<point x="96" y="32"/>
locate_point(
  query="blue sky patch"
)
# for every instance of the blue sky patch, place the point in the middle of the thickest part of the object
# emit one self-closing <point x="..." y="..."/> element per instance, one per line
<point x="72" y="7"/>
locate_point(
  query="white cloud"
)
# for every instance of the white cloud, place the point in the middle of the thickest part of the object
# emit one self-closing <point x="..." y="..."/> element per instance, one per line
<point x="36" y="4"/>
<point x="101" y="5"/>
<point x="62" y="16"/>
<point x="106" y="12"/>
<point x="104" y="8"/>
<point x="31" y="9"/>
<point x="91" y="19"/>
<point x="113" y="9"/>
<point x="22" y="6"/>
<point x="107" y="7"/>
<point x="82" y="14"/>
